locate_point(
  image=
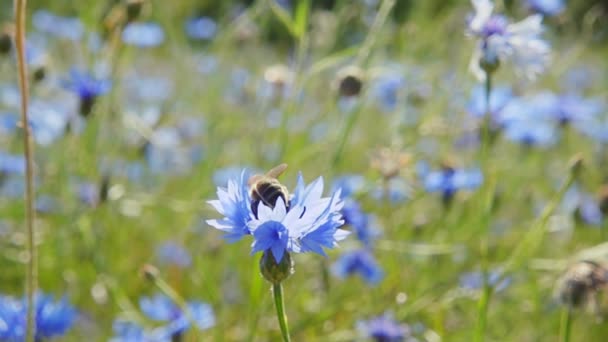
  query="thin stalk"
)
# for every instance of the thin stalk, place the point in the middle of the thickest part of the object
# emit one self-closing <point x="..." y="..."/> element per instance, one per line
<point x="170" y="292"/>
<point x="566" y="324"/>
<point x="277" y="291"/>
<point x="484" y="300"/>
<point x="362" y="59"/>
<point x="32" y="264"/>
<point x="482" y="311"/>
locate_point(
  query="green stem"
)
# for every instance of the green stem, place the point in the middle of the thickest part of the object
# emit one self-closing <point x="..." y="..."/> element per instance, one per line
<point x="350" y="124"/>
<point x="566" y="324"/>
<point x="487" y="203"/>
<point x="482" y="310"/>
<point x="32" y="261"/>
<point x="277" y="291"/>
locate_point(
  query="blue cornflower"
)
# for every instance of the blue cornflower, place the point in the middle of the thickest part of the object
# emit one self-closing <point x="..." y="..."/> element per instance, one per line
<point x="87" y="87"/>
<point x="306" y="223"/>
<point x="62" y="27"/>
<point x="11" y="164"/>
<point x="143" y="35"/>
<point x="171" y="252"/>
<point x="202" y="28"/>
<point x="475" y="280"/>
<point x="449" y="180"/>
<point x="529" y="120"/>
<point x="582" y="206"/>
<point x="162" y="308"/>
<point x="127" y="331"/>
<point x="396" y="190"/>
<point x="53" y="319"/>
<point x="48" y="121"/>
<point x="499" y="98"/>
<point x="350" y="185"/>
<point x="387" y="90"/>
<point x="361" y="262"/>
<point x="547" y="7"/>
<point x="384" y="329"/>
<point x="499" y="40"/>
<point x="576" y="110"/>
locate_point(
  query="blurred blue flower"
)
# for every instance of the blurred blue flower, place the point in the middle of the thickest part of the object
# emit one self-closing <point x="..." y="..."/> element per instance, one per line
<point x="475" y="280"/>
<point x="384" y="329"/>
<point x="500" y="41"/>
<point x="449" y="180"/>
<point x="171" y="252"/>
<point x="143" y="35"/>
<point x="307" y="223"/>
<point x="386" y="90"/>
<point x="396" y="190"/>
<point x="499" y="97"/>
<point x="87" y="88"/>
<point x="350" y="185"/>
<point x="582" y="205"/>
<point x="49" y="121"/>
<point x="162" y="308"/>
<point x="202" y="28"/>
<point x="11" y="164"/>
<point x="578" y="111"/>
<point x="53" y="319"/>
<point x="361" y="262"/>
<point x="547" y="7"/>
<point x="62" y="27"/>
<point x="127" y="331"/>
<point x="167" y="152"/>
<point x="530" y="120"/>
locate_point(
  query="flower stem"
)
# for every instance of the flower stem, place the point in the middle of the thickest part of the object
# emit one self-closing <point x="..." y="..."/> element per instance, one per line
<point x="277" y="291"/>
<point x="482" y="310"/>
<point x="32" y="265"/>
<point x="566" y="324"/>
<point x="487" y="204"/>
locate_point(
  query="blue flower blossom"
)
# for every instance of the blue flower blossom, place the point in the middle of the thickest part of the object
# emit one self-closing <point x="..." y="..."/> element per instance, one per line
<point x="384" y="329"/>
<point x="53" y="319"/>
<point x="547" y="7"/>
<point x="360" y="262"/>
<point x="475" y="280"/>
<point x="171" y="252"/>
<point x="449" y="180"/>
<point x="87" y="88"/>
<point x="386" y="90"/>
<point x="62" y="27"/>
<point x="530" y="120"/>
<point x="307" y="223"/>
<point x="162" y="308"/>
<point x="202" y="28"/>
<point x="11" y="164"/>
<point x="582" y="206"/>
<point x="499" y="98"/>
<point x="86" y="85"/>
<point x="143" y="35"/>
<point x="499" y="40"/>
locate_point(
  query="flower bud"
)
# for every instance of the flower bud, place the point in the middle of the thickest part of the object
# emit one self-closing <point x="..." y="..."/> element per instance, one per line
<point x="150" y="272"/>
<point x="581" y="282"/>
<point x="603" y="199"/>
<point x="6" y="39"/>
<point x="276" y="272"/>
<point x="576" y="165"/>
<point x="489" y="62"/>
<point x="134" y="8"/>
<point x="350" y="81"/>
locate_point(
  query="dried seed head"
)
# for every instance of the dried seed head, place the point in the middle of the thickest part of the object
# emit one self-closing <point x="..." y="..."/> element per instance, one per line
<point x="150" y="272"/>
<point x="279" y="76"/>
<point x="389" y="161"/>
<point x="581" y="282"/>
<point x="134" y="8"/>
<point x="350" y="81"/>
<point x="6" y="38"/>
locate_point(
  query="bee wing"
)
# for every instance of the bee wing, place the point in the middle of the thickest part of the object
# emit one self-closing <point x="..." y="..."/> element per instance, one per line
<point x="254" y="179"/>
<point x="276" y="171"/>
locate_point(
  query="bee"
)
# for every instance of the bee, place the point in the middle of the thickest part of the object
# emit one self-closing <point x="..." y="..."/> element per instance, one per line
<point x="267" y="189"/>
<point x="582" y="282"/>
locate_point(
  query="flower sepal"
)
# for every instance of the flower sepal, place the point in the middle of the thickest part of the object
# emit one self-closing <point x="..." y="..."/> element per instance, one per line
<point x="273" y="271"/>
